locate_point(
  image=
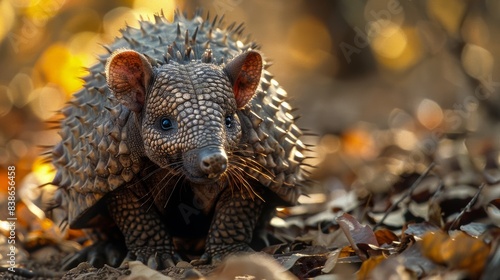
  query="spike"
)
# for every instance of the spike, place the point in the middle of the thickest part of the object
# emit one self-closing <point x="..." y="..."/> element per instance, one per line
<point x="170" y="50"/>
<point x="141" y="27"/>
<point x="107" y="48"/>
<point x="123" y="149"/>
<point x="99" y="184"/>
<point x="214" y="21"/>
<point x="178" y="31"/>
<point x="221" y="19"/>
<point x="113" y="111"/>
<point x="115" y="133"/>
<point x="92" y="156"/>
<point x="258" y="148"/>
<point x="115" y="181"/>
<point x="270" y="162"/>
<point x="252" y="137"/>
<point x="101" y="169"/>
<point x="240" y="26"/>
<point x="103" y="146"/>
<point x="157" y="19"/>
<point x="193" y="38"/>
<point x="231" y="26"/>
<point x="113" y="148"/>
<point x="113" y="165"/>
<point x="57" y="179"/>
<point x="186" y="39"/>
<point x="207" y="56"/>
<point x="255" y="119"/>
<point x="187" y="53"/>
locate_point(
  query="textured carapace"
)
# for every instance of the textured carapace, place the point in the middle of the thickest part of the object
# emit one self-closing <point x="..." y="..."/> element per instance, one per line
<point x="190" y="96"/>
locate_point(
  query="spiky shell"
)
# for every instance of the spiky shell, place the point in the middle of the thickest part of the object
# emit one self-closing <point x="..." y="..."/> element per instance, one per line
<point x="94" y="156"/>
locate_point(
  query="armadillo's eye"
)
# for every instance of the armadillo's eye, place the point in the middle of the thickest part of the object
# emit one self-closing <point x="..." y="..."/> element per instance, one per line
<point x="229" y="121"/>
<point x="166" y="124"/>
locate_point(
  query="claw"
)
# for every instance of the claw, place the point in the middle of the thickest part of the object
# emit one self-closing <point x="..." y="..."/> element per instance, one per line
<point x="216" y="256"/>
<point x="97" y="254"/>
<point x="157" y="260"/>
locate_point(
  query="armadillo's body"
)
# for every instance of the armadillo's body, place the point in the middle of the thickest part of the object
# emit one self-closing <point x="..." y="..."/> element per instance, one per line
<point x="120" y="158"/>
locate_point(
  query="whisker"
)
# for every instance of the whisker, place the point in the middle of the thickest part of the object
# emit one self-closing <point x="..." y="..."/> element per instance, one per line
<point x="239" y="175"/>
<point x="158" y="188"/>
<point x="150" y="194"/>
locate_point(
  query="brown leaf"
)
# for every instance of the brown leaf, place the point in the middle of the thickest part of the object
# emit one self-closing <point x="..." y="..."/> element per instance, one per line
<point x="459" y="252"/>
<point x="368" y="266"/>
<point x="385" y="236"/>
<point x="140" y="271"/>
<point x="431" y="246"/>
<point x="258" y="266"/>
<point x="355" y="232"/>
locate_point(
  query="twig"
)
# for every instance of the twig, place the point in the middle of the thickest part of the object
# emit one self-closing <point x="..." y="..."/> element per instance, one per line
<point x="467" y="207"/>
<point x="408" y="193"/>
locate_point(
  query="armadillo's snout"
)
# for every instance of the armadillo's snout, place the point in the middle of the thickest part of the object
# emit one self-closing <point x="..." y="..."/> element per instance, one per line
<point x="213" y="161"/>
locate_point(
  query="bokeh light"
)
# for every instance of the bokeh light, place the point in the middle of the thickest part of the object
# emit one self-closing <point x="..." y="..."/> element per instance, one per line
<point x="309" y="42"/>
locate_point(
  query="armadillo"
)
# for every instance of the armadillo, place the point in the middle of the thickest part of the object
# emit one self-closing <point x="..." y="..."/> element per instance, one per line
<point x="179" y="130"/>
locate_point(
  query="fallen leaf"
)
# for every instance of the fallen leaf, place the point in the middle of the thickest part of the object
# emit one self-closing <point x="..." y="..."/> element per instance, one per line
<point x="493" y="211"/>
<point x="253" y="266"/>
<point x="139" y="271"/>
<point x="420" y="229"/>
<point x="460" y="252"/>
<point x="414" y="260"/>
<point x="355" y="232"/>
<point x="368" y="266"/>
<point x="334" y="239"/>
<point x="385" y="236"/>
<point x="390" y="268"/>
<point x="431" y="246"/>
<point x="474" y="229"/>
<point x="331" y="261"/>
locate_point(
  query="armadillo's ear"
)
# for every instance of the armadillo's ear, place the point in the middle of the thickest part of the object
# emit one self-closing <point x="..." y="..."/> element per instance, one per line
<point x="244" y="72"/>
<point x="128" y="74"/>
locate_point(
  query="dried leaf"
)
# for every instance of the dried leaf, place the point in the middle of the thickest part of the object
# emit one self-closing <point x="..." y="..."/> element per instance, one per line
<point x="331" y="261"/>
<point x="459" y="252"/>
<point x="334" y="239"/>
<point x="474" y="229"/>
<point x="355" y="232"/>
<point x="391" y="268"/>
<point x="420" y="229"/>
<point x="414" y="260"/>
<point x="368" y="266"/>
<point x="255" y="266"/>
<point x="385" y="236"/>
<point x="431" y="246"/>
<point x="139" y="271"/>
<point x="494" y="212"/>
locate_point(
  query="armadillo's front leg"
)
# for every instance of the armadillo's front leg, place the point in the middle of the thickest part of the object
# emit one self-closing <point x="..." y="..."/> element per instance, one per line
<point x="145" y="235"/>
<point x="232" y="227"/>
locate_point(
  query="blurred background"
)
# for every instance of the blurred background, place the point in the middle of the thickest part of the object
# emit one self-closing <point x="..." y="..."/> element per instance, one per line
<point x="363" y="73"/>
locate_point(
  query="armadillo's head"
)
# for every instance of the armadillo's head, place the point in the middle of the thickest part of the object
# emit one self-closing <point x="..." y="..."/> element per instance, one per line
<point x="186" y="112"/>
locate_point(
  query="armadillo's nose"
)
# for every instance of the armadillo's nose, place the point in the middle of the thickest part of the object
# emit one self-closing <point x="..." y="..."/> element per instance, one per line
<point x="213" y="161"/>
